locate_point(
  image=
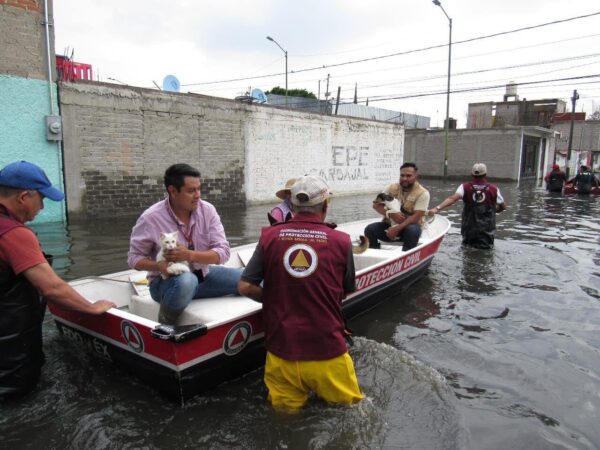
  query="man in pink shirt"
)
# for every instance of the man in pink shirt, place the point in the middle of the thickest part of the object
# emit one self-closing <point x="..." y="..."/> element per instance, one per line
<point x="204" y="246"/>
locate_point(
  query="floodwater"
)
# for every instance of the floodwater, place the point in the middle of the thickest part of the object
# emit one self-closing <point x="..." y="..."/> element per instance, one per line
<point x="489" y="350"/>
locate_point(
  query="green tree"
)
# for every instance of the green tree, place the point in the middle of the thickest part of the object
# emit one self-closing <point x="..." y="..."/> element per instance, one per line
<point x="291" y="92"/>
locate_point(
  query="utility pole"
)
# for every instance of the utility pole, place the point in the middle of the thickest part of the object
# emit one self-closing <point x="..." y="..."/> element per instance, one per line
<point x="570" y="146"/>
<point x="327" y="94"/>
<point x="337" y="102"/>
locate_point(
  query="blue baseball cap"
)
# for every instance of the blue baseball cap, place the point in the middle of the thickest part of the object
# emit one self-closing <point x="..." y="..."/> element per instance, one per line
<point x="25" y="175"/>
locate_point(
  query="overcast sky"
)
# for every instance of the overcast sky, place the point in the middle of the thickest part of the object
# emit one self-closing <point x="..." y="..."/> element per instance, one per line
<point x="207" y="43"/>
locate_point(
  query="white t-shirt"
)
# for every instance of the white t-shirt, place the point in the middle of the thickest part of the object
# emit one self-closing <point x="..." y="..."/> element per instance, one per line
<point x="499" y="199"/>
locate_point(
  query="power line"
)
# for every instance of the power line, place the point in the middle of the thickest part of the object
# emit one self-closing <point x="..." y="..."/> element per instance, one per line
<point x="475" y="89"/>
<point x="374" y="58"/>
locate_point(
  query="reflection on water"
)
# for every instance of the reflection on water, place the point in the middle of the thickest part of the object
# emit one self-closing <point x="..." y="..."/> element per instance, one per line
<point x="492" y="349"/>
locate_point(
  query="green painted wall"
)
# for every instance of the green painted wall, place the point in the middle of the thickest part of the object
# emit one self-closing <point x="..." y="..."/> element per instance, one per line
<point x="24" y="103"/>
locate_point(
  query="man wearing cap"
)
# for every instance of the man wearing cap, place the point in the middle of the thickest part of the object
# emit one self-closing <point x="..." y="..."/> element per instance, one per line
<point x="555" y="179"/>
<point x="306" y="268"/>
<point x="414" y="199"/>
<point x="482" y="200"/>
<point x="283" y="211"/>
<point x="26" y="279"/>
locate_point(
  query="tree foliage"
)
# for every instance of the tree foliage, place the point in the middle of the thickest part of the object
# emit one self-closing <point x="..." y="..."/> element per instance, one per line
<point x="291" y="92"/>
<point x="595" y="115"/>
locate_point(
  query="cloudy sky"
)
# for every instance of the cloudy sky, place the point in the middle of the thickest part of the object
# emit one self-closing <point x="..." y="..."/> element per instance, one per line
<point x="395" y="50"/>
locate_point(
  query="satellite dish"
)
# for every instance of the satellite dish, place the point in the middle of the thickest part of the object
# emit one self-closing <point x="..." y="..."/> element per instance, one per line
<point x="259" y="96"/>
<point x="171" y="84"/>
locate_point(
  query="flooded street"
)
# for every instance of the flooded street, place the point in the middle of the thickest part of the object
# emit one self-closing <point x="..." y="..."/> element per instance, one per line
<point x="489" y="350"/>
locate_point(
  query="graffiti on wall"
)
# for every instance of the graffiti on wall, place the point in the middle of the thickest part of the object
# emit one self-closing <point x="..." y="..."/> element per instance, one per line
<point x="353" y="163"/>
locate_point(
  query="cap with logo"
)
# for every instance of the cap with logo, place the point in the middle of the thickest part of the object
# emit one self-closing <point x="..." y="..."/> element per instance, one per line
<point x="309" y="191"/>
<point x="26" y="175"/>
<point x="479" y="169"/>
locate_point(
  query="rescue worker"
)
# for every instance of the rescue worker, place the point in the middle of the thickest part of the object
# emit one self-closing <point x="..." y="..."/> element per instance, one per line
<point x="301" y="270"/>
<point x="555" y="179"/>
<point x="482" y="200"/>
<point x="27" y="280"/>
<point x="585" y="180"/>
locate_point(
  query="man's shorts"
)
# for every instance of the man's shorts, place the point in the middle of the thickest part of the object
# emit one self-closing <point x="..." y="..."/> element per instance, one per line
<point x="290" y="382"/>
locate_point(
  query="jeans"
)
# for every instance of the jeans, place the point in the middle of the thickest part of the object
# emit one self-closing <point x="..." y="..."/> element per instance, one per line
<point x="410" y="235"/>
<point x="178" y="291"/>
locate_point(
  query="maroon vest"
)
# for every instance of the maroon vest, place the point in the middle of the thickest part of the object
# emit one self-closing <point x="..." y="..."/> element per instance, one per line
<point x="480" y="192"/>
<point x="304" y="265"/>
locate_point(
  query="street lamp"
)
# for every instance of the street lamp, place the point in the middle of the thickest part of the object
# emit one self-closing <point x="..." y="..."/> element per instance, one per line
<point x="447" y="124"/>
<point x="286" y="65"/>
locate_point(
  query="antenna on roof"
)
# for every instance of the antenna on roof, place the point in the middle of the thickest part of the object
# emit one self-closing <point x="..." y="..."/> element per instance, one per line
<point x="171" y="84"/>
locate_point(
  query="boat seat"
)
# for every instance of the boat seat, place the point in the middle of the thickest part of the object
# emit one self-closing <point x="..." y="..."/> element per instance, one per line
<point x="206" y="310"/>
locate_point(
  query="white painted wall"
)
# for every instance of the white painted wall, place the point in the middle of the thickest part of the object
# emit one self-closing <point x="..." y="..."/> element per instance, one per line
<point x="352" y="155"/>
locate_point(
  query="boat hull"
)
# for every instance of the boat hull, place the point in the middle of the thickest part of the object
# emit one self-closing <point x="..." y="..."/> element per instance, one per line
<point x="224" y="351"/>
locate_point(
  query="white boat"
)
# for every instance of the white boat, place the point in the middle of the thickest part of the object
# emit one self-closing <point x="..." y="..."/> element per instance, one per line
<point x="219" y="338"/>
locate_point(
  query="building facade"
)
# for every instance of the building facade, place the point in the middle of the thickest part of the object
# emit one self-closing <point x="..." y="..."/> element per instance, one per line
<point x="28" y="97"/>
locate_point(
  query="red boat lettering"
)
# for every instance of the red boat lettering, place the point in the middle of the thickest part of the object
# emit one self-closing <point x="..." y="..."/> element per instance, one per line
<point x="237" y="338"/>
<point x="132" y="336"/>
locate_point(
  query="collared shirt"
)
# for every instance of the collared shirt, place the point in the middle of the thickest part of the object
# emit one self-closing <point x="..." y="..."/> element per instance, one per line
<point x="204" y="229"/>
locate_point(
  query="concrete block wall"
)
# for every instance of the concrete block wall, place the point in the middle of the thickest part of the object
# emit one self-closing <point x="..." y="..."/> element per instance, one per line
<point x="22" y="39"/>
<point x="498" y="148"/>
<point x="118" y="140"/>
<point x="25" y="94"/>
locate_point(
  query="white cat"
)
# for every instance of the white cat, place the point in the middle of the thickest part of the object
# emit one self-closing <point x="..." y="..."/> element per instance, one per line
<point x="391" y="205"/>
<point x="168" y="241"/>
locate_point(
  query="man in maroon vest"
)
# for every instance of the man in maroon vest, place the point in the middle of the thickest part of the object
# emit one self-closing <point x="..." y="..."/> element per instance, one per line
<point x="482" y="200"/>
<point x="26" y="279"/>
<point x="305" y="268"/>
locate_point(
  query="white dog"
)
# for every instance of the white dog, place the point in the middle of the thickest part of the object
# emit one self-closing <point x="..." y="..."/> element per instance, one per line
<point x="168" y="241"/>
<point x="391" y="205"/>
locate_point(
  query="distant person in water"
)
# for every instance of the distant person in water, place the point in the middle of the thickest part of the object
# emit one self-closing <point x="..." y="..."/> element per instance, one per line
<point x="482" y="200"/>
<point x="555" y="179"/>
<point x="585" y="180"/>
<point x="283" y="211"/>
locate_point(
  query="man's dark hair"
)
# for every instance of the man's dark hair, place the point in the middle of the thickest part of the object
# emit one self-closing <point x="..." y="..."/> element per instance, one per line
<point x="175" y="174"/>
<point x="409" y="164"/>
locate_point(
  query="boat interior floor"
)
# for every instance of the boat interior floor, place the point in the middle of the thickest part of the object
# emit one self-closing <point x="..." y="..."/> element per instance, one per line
<point x="209" y="311"/>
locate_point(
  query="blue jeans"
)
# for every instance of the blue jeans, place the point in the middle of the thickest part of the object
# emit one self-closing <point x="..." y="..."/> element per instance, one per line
<point x="178" y="291"/>
<point x="410" y="235"/>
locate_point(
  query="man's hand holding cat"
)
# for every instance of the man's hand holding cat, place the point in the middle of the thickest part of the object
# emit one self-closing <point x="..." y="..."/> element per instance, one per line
<point x="180" y="253"/>
<point x="162" y="267"/>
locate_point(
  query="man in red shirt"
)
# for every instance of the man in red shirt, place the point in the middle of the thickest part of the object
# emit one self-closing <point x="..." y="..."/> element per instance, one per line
<point x="27" y="280"/>
<point x="306" y="268"/>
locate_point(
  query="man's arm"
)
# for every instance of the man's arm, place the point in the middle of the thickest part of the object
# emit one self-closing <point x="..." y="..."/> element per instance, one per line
<point x="249" y="284"/>
<point x="56" y="290"/>
<point x="250" y="290"/>
<point x="449" y="201"/>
